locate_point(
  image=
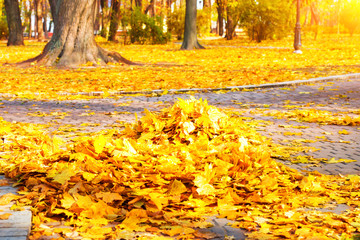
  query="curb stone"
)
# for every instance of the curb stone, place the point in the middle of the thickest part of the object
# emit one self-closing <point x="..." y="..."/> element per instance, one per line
<point x="233" y="88"/>
<point x="18" y="225"/>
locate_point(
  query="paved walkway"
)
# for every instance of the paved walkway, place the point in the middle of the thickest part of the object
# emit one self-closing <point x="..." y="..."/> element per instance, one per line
<point x="337" y="96"/>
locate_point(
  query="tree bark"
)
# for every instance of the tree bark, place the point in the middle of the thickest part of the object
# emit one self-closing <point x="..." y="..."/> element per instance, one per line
<point x="105" y="17"/>
<point x="190" y="37"/>
<point x="115" y="20"/>
<point x="45" y="12"/>
<point x="54" y="10"/>
<point x="39" y="19"/>
<point x="230" y="25"/>
<point x="220" y="20"/>
<point x="73" y="42"/>
<point x="14" y="23"/>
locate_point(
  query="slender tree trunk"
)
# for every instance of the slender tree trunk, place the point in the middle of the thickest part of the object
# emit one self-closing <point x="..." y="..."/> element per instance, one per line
<point x="220" y="20"/>
<point x="150" y="8"/>
<point x="97" y="17"/>
<point x="27" y="21"/>
<point x="73" y="42"/>
<point x="115" y="20"/>
<point x="207" y="8"/>
<point x="105" y="17"/>
<point x="230" y="26"/>
<point x="14" y="23"/>
<point x="138" y="3"/>
<point x="314" y="18"/>
<point x="190" y="37"/>
<point x="39" y="19"/>
<point x="45" y="12"/>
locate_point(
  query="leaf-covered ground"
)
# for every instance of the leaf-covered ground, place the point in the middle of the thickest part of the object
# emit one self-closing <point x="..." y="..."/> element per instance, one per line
<point x="222" y="64"/>
<point x="164" y="173"/>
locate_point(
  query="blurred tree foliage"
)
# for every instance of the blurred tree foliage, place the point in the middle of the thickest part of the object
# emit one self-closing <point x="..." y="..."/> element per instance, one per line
<point x="350" y="16"/>
<point x="264" y="19"/>
<point x="146" y="29"/>
<point x="176" y="21"/>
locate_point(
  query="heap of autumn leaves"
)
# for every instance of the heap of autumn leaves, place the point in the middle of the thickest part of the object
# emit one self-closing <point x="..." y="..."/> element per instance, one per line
<point x="165" y="173"/>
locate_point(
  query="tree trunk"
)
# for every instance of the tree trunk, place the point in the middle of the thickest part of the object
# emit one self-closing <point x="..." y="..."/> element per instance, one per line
<point x="27" y="16"/>
<point x="190" y="37"/>
<point x="105" y="18"/>
<point x="220" y="20"/>
<point x="138" y="3"/>
<point x="151" y="8"/>
<point x="53" y="10"/>
<point x="115" y="20"/>
<point x="73" y="42"/>
<point x="45" y="12"/>
<point x="14" y="23"/>
<point x="39" y="19"/>
<point x="230" y="26"/>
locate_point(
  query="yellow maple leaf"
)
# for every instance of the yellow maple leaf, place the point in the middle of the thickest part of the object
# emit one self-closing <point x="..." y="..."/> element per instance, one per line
<point x="67" y="200"/>
<point x="176" y="187"/>
<point x="99" y="143"/>
<point x="108" y="197"/>
<point x="64" y="176"/>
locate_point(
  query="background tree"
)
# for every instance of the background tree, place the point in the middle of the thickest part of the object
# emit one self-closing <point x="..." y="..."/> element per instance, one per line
<point x="234" y="11"/>
<point x="265" y="19"/>
<point x="73" y="42"/>
<point x="4" y="30"/>
<point x="350" y="16"/>
<point x="26" y="10"/>
<point x="220" y="7"/>
<point x="115" y="19"/>
<point x="105" y="17"/>
<point x="190" y="36"/>
<point x="39" y="19"/>
<point x="14" y="22"/>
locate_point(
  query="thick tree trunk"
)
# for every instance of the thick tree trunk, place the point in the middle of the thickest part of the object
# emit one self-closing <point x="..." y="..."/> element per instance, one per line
<point x="14" y="23"/>
<point x="39" y="19"/>
<point x="115" y="20"/>
<point x="73" y="42"/>
<point x="190" y="37"/>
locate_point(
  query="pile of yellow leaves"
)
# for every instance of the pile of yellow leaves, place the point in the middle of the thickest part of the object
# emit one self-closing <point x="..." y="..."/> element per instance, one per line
<point x="165" y="173"/>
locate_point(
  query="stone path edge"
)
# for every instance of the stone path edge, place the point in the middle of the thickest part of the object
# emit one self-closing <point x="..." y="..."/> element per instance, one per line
<point x="232" y="88"/>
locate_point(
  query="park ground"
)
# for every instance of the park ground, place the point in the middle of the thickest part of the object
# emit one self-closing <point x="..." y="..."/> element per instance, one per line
<point x="98" y="164"/>
<point x="223" y="64"/>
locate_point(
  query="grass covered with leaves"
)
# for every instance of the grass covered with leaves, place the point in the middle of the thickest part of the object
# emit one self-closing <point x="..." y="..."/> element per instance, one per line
<point x="164" y="173"/>
<point x="222" y="64"/>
